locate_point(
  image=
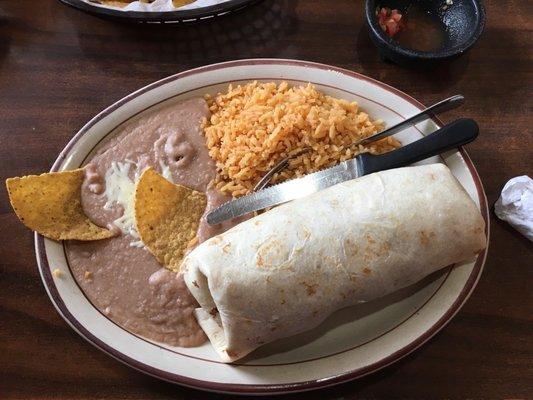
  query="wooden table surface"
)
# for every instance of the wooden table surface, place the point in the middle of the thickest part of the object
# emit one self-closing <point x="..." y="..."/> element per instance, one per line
<point x="59" y="67"/>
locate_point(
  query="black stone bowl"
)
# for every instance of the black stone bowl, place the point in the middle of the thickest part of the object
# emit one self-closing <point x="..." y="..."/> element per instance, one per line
<point x="464" y="21"/>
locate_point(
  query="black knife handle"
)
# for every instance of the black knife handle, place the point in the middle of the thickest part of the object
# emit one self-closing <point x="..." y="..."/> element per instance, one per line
<point x="448" y="137"/>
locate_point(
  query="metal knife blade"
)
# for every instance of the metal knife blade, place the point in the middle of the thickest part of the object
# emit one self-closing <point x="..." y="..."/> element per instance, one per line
<point x="284" y="192"/>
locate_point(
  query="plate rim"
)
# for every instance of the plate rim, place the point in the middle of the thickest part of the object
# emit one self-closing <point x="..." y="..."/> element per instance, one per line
<point x="189" y="15"/>
<point x="292" y="387"/>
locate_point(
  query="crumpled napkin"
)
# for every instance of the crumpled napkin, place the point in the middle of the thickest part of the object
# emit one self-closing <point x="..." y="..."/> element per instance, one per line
<point x="515" y="205"/>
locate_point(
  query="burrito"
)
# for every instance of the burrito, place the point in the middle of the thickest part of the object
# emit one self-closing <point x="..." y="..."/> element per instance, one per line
<point x="285" y="271"/>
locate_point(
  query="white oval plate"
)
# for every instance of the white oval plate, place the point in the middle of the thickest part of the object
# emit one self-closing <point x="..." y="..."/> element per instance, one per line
<point x="351" y="343"/>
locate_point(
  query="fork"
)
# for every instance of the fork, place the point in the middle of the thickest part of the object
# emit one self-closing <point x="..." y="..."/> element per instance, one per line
<point x="445" y="105"/>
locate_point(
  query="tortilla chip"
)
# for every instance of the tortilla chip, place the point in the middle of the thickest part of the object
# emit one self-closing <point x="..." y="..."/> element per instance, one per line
<point x="167" y="217"/>
<point x="50" y="204"/>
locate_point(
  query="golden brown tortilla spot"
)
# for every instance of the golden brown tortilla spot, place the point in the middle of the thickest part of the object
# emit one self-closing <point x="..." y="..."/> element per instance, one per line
<point x="226" y="248"/>
<point x="167" y="217"/>
<point x="266" y="251"/>
<point x="50" y="204"/>
<point x="270" y="246"/>
<point x="257" y="222"/>
<point x="369" y="256"/>
<point x="350" y="249"/>
<point x="369" y="239"/>
<point x="432" y="176"/>
<point x="425" y="237"/>
<point x="310" y="288"/>
<point x="367" y="271"/>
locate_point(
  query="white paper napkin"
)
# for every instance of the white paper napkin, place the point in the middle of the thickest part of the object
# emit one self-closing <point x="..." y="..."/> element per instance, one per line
<point x="515" y="205"/>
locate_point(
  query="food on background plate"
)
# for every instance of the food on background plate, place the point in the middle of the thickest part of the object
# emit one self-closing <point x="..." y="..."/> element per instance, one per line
<point x="156" y="3"/>
<point x="50" y="204"/>
<point x="118" y="3"/>
<point x="254" y="126"/>
<point x="350" y="243"/>
<point x="167" y="217"/>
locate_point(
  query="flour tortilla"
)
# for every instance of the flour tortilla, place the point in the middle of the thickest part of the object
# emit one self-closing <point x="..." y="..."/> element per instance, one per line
<point x="285" y="271"/>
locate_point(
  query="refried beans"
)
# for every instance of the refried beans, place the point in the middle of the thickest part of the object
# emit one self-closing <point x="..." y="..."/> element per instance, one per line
<point x="120" y="277"/>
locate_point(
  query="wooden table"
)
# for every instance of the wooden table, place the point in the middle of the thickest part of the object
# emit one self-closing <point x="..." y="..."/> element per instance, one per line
<point x="59" y="67"/>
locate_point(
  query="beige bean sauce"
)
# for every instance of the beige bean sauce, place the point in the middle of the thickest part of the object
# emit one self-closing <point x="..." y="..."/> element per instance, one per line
<point x="120" y="277"/>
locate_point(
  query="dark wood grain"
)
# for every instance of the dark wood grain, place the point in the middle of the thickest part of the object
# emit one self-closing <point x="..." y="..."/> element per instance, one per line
<point x="59" y="67"/>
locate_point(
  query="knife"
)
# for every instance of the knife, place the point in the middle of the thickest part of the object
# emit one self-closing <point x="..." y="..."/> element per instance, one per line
<point x="457" y="133"/>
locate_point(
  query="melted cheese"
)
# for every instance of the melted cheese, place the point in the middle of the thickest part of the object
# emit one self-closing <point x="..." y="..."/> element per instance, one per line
<point x="120" y="189"/>
<point x="165" y="171"/>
